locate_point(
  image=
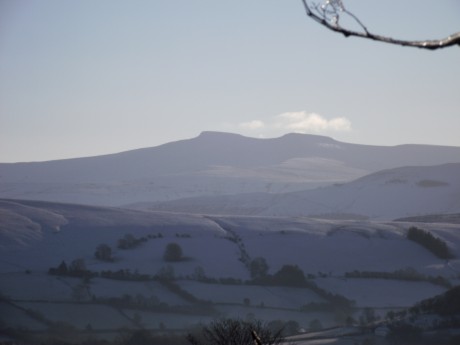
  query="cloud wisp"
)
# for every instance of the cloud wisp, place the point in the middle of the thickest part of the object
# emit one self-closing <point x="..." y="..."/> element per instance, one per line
<point x="299" y="122"/>
<point x="255" y="124"/>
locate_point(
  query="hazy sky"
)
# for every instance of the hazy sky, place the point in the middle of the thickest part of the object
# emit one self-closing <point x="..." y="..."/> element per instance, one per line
<point x="81" y="78"/>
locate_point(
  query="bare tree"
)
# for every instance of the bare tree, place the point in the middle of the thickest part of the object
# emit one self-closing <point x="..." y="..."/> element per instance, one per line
<point x="235" y="332"/>
<point x="103" y="252"/>
<point x="328" y="12"/>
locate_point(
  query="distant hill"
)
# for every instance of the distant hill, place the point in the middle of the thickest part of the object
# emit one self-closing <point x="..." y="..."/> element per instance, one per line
<point x="211" y="164"/>
<point x="387" y="194"/>
<point x="453" y="218"/>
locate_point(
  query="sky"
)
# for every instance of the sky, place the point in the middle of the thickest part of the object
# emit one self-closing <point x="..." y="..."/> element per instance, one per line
<point x="85" y="78"/>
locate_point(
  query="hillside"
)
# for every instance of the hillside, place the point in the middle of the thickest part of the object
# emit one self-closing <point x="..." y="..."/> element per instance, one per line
<point x="341" y="264"/>
<point x="434" y="218"/>
<point x="388" y="194"/>
<point x="210" y="164"/>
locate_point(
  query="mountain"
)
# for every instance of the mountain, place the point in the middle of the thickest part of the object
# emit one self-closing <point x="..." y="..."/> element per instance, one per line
<point x="211" y="164"/>
<point x="387" y="194"/>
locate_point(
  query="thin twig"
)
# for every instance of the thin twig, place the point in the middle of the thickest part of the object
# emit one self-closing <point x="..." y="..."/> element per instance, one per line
<point x="321" y="17"/>
<point x="357" y="20"/>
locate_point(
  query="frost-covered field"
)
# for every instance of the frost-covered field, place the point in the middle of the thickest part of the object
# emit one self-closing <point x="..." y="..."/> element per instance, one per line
<point x="381" y="293"/>
<point x="266" y="296"/>
<point x="215" y="249"/>
<point x="80" y="315"/>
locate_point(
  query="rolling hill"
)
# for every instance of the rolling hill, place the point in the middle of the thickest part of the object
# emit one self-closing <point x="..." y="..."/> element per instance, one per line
<point x="387" y="194"/>
<point x="138" y="288"/>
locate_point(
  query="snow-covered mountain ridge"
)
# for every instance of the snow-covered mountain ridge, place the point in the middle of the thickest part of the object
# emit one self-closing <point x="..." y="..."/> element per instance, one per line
<point x="211" y="164"/>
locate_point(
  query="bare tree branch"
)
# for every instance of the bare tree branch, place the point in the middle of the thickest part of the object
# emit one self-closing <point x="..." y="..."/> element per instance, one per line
<point x="328" y="15"/>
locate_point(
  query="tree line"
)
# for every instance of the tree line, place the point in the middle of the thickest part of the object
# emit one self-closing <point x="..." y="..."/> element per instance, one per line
<point x="434" y="244"/>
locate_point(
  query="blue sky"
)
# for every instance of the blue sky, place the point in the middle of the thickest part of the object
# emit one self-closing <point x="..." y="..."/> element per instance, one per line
<point x="83" y="78"/>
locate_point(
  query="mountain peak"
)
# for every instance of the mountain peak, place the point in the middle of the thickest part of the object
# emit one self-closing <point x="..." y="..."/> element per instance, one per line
<point x="300" y="136"/>
<point x="289" y="136"/>
<point x="215" y="134"/>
